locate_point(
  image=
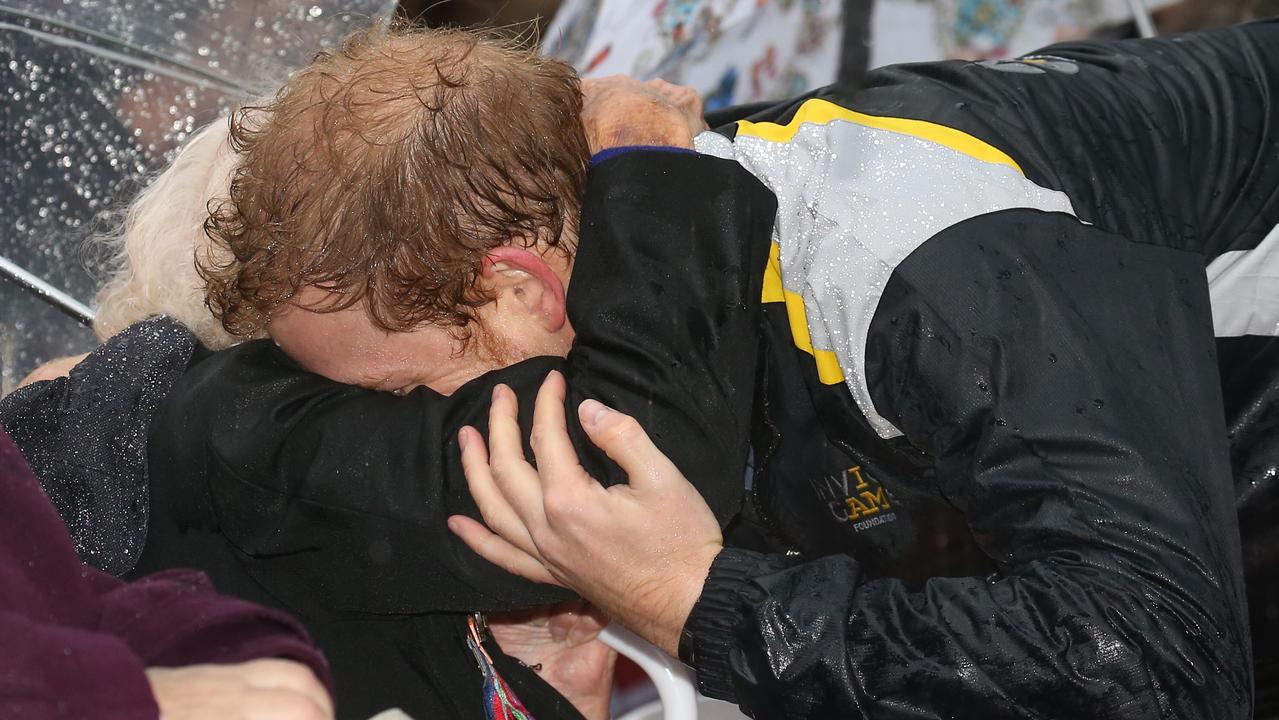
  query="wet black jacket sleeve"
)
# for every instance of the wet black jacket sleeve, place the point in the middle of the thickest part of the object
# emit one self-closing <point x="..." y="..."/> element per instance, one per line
<point x="330" y="494"/>
<point x="1064" y="380"/>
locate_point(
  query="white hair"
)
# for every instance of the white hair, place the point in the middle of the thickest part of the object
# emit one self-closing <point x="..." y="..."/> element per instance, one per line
<point x="154" y="250"/>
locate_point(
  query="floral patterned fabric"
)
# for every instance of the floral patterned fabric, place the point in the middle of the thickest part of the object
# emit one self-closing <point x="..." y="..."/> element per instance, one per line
<point x="922" y="30"/>
<point x="732" y="51"/>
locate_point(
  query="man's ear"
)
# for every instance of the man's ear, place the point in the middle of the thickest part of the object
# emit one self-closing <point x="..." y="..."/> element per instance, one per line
<point x="521" y="281"/>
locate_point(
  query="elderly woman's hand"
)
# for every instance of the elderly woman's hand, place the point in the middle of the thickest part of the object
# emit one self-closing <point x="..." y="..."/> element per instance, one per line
<point x="267" y="689"/>
<point x="562" y="643"/>
<point x="640" y="552"/>
<point x="618" y="111"/>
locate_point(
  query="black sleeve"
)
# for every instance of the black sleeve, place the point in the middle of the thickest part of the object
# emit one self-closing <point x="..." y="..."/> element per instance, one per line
<point x="317" y="485"/>
<point x="1064" y="380"/>
<point x="84" y="436"/>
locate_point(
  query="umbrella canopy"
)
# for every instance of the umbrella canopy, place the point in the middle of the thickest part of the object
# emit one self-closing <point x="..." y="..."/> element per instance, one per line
<point x="97" y="95"/>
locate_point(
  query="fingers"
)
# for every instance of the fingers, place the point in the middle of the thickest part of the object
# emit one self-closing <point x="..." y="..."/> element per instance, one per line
<point x="498" y="551"/>
<point x="515" y="478"/>
<point x="504" y="427"/>
<point x="685" y="99"/>
<point x="619" y="111"/>
<point x="681" y="96"/>
<point x="596" y="85"/>
<point x="574" y="623"/>
<point x="625" y="442"/>
<point x="494" y="508"/>
<point x="558" y="466"/>
<point x="586" y="627"/>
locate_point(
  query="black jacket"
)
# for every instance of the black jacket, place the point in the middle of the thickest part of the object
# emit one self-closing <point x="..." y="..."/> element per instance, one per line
<point x="330" y="501"/>
<point x="1042" y="523"/>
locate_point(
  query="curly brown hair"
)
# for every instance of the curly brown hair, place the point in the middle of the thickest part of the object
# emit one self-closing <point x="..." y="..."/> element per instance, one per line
<point x="386" y="169"/>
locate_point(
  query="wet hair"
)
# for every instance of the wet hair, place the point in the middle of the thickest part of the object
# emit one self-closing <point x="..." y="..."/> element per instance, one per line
<point x="385" y="171"/>
<point x="153" y="247"/>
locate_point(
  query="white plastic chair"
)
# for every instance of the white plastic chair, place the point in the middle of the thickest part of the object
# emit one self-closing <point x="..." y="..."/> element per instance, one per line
<point x="676" y="686"/>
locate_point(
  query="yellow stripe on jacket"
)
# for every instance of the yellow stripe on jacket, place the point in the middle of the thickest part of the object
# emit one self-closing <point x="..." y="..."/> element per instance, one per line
<point x="823" y="112"/>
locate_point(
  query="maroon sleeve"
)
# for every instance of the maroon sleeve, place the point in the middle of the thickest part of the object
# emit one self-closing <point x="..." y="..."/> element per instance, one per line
<point x="55" y="663"/>
<point x="175" y="618"/>
<point x="51" y="670"/>
<point x="77" y="642"/>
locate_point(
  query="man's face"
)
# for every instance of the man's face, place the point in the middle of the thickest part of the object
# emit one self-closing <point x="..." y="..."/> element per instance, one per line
<point x="346" y="347"/>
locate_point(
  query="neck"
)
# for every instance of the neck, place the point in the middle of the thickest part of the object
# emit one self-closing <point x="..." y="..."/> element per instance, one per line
<point x="482" y="353"/>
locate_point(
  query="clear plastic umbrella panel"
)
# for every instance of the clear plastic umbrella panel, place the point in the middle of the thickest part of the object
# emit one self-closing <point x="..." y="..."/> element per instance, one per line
<point x="97" y="96"/>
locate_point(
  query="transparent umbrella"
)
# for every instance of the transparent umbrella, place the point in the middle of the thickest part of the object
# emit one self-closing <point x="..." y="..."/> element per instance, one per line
<point x="97" y="94"/>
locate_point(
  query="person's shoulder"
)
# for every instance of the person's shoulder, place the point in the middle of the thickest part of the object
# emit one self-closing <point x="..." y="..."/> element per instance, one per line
<point x="254" y="356"/>
<point x="253" y="374"/>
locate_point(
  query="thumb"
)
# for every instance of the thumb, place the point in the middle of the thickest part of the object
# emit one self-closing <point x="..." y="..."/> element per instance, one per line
<point x="625" y="442"/>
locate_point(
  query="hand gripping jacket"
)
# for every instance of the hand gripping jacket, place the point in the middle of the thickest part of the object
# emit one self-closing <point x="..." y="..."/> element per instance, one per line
<point x="991" y="417"/>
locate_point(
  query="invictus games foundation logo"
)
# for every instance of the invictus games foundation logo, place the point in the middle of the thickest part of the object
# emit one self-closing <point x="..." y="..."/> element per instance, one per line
<point x="856" y="498"/>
